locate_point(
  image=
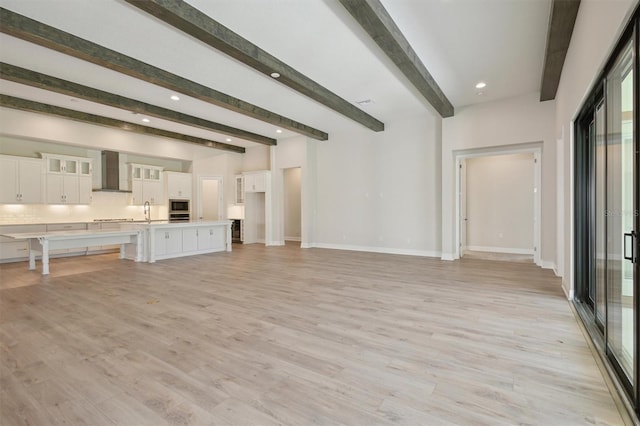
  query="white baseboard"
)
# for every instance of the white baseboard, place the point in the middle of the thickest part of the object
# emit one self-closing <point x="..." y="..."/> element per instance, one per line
<point x="500" y="250"/>
<point x="307" y="245"/>
<point x="569" y="293"/>
<point x="548" y="264"/>
<point x="275" y="243"/>
<point x="448" y="256"/>
<point x="385" y="250"/>
<point x="297" y="239"/>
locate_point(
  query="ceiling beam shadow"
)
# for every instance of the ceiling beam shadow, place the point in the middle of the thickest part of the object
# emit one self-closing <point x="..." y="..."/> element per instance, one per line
<point x="42" y="81"/>
<point x="25" y="28"/>
<point x="193" y="22"/>
<point x="373" y="17"/>
<point x="37" y="107"/>
<point x="562" y="19"/>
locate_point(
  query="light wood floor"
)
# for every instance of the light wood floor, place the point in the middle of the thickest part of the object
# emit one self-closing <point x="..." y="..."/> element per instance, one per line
<point x="282" y="335"/>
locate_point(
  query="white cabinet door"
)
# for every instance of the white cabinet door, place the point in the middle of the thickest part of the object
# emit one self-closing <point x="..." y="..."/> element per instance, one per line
<point x="204" y="239"/>
<point x="255" y="182"/>
<point x="190" y="239"/>
<point x="239" y="189"/>
<point x="168" y="242"/>
<point x="71" y="188"/>
<point x="55" y="189"/>
<point x="160" y="243"/>
<point x="9" y="190"/>
<point x="30" y="181"/>
<point x="212" y="238"/>
<point x="152" y="192"/>
<point x="136" y="193"/>
<point x="179" y="185"/>
<point x="63" y="175"/>
<point x="84" y="189"/>
<point x="145" y="183"/>
<point x="174" y="241"/>
<point x="21" y="180"/>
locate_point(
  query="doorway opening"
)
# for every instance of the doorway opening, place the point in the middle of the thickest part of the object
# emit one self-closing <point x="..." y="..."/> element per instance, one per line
<point x="210" y="191"/>
<point x="498" y="203"/>
<point x="292" y="204"/>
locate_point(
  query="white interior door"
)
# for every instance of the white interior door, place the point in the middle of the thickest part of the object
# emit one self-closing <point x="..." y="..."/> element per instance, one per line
<point x="210" y="198"/>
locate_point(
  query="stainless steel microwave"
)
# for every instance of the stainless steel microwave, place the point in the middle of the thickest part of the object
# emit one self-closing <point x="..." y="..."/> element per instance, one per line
<point x="178" y="206"/>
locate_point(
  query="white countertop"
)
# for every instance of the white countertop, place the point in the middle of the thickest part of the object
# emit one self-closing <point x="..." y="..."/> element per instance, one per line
<point x="181" y="224"/>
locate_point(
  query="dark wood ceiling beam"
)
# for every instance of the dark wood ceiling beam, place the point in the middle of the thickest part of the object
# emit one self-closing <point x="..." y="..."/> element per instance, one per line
<point x="372" y="16"/>
<point x="40" y="108"/>
<point x="562" y="19"/>
<point x="54" y="84"/>
<point x="25" y="28"/>
<point x="190" y="20"/>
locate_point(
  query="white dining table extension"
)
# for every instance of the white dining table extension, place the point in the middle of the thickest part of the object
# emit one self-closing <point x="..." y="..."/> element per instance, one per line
<point x="41" y="243"/>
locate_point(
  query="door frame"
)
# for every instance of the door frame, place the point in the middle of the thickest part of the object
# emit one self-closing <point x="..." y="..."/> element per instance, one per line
<point x="536" y="149"/>
<point x="220" y="179"/>
<point x="282" y="188"/>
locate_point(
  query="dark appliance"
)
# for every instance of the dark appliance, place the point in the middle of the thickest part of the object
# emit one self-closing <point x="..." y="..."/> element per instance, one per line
<point x="179" y="211"/>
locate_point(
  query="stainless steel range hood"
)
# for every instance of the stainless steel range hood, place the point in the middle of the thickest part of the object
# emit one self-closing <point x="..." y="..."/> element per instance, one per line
<point x="111" y="172"/>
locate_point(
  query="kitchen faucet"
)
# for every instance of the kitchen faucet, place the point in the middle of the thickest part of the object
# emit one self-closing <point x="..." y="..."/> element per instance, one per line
<point x="147" y="211"/>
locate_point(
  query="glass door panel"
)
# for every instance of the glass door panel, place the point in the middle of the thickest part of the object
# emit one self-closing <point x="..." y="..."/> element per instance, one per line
<point x="600" y="208"/>
<point x="619" y="213"/>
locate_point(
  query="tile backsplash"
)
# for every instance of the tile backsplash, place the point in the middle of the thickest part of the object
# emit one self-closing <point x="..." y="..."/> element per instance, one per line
<point x="104" y="205"/>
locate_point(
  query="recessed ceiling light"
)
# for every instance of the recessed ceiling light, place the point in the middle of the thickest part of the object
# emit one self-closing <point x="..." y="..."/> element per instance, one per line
<point x="481" y="85"/>
<point x="146" y="120"/>
<point x="228" y="139"/>
<point x="175" y="97"/>
<point x="278" y="131"/>
<point x="275" y="74"/>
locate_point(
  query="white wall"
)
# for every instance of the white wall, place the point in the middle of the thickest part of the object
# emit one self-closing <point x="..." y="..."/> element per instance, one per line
<point x="502" y="124"/>
<point x="598" y="27"/>
<point x="500" y="207"/>
<point x="380" y="191"/>
<point x="292" y="203"/>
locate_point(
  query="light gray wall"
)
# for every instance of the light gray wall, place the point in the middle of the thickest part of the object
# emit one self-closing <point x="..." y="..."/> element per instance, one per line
<point x="500" y="207"/>
<point x="502" y="124"/>
<point x="381" y="191"/>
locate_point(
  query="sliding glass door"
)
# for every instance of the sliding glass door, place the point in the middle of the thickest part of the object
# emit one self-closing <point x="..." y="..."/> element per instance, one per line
<point x="619" y="213"/>
<point x="607" y="214"/>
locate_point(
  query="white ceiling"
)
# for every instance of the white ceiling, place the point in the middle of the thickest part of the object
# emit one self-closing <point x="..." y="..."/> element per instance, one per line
<point x="460" y="41"/>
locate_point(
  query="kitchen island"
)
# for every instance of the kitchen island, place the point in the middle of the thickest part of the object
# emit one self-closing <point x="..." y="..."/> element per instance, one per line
<point x="165" y="240"/>
<point x="42" y="242"/>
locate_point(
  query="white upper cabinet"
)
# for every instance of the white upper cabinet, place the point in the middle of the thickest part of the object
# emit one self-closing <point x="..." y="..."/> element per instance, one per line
<point x="239" y="198"/>
<point x="22" y="180"/>
<point x="68" y="179"/>
<point x="146" y="184"/>
<point x="178" y="185"/>
<point x="255" y="181"/>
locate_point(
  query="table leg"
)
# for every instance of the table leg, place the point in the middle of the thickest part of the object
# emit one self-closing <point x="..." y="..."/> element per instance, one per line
<point x="45" y="257"/>
<point x="139" y="245"/>
<point x="32" y="255"/>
